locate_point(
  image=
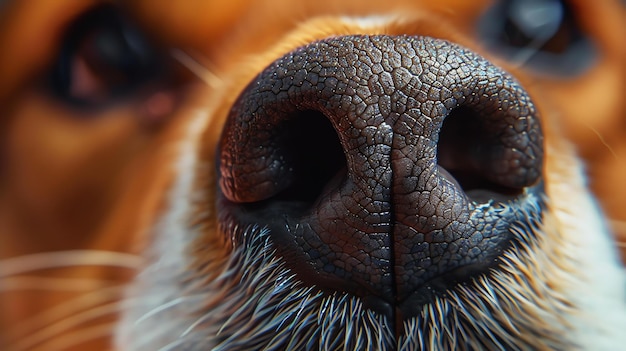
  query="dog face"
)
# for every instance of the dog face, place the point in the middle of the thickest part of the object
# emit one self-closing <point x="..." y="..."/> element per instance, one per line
<point x="360" y="175"/>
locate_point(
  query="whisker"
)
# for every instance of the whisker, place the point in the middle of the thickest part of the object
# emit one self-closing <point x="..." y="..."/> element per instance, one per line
<point x="51" y="284"/>
<point x="603" y="141"/>
<point x="166" y="306"/>
<point x="196" y="68"/>
<point x="76" y="338"/>
<point x="47" y="260"/>
<point x="523" y="56"/>
<point x="63" y="325"/>
<point x="64" y="309"/>
<point x="193" y="325"/>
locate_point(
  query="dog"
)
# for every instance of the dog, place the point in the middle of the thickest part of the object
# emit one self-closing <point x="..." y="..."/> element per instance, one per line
<point x="273" y="175"/>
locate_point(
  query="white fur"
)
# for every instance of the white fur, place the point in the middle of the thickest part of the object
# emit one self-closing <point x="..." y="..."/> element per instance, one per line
<point x="156" y="294"/>
<point x="599" y="286"/>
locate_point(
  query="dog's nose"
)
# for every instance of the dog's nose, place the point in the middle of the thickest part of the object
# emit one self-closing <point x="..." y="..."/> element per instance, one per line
<point x="389" y="168"/>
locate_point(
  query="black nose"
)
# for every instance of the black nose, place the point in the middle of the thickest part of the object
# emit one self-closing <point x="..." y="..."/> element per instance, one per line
<point x="389" y="168"/>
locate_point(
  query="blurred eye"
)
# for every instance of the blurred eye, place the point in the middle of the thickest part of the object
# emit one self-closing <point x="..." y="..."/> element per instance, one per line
<point x="541" y="34"/>
<point x="103" y="57"/>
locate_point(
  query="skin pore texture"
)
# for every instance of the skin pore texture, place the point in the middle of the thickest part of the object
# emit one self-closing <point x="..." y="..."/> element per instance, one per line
<point x="323" y="176"/>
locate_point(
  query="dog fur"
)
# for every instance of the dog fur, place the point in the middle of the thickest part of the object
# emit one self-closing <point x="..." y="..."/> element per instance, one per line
<point x="108" y="224"/>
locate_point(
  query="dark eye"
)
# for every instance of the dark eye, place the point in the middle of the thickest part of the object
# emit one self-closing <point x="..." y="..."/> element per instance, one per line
<point x="102" y="58"/>
<point x="541" y="34"/>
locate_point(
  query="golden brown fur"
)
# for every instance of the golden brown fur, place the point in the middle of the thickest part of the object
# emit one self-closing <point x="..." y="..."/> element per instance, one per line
<point x="69" y="183"/>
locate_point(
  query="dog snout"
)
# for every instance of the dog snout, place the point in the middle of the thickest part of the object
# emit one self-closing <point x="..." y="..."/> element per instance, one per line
<point x="390" y="168"/>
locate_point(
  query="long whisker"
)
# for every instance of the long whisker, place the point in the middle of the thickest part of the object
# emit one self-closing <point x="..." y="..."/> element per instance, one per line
<point x="603" y="141"/>
<point x="52" y="284"/>
<point x="79" y="337"/>
<point x="196" y="68"/>
<point x="196" y="323"/>
<point x="527" y="53"/>
<point x="166" y="306"/>
<point x="57" y="328"/>
<point x="65" y="309"/>
<point x="40" y="261"/>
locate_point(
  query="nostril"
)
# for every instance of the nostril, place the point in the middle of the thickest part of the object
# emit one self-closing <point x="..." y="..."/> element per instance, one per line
<point x="291" y="157"/>
<point x="464" y="150"/>
<point x="312" y="150"/>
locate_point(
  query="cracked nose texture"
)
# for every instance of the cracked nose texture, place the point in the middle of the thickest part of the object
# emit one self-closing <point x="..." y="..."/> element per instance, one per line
<point x="384" y="167"/>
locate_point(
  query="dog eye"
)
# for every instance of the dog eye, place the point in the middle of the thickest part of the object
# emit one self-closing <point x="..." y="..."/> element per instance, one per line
<point x="541" y="34"/>
<point x="102" y="58"/>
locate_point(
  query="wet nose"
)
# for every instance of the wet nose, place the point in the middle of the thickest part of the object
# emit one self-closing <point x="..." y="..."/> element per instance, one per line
<point x="388" y="168"/>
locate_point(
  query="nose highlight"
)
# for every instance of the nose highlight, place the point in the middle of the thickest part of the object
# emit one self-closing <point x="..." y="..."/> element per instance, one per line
<point x="384" y="167"/>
